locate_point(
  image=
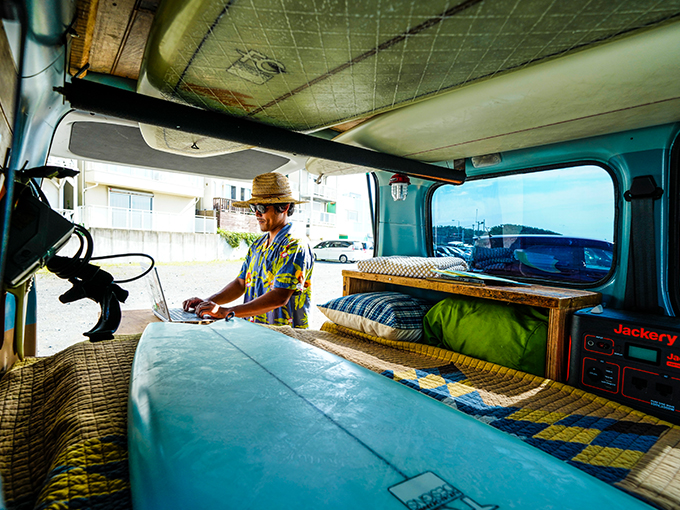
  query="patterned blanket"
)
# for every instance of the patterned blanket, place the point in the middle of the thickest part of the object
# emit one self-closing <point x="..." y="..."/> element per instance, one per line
<point x="63" y="429"/>
<point x="63" y="436"/>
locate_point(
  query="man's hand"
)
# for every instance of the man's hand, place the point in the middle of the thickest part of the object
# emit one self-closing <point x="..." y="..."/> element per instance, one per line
<point x="212" y="309"/>
<point x="191" y="303"/>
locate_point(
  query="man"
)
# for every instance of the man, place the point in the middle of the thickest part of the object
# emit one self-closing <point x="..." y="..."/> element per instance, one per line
<point x="277" y="273"/>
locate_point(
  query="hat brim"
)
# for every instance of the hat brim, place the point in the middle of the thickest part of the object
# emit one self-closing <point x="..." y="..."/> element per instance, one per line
<point x="275" y="200"/>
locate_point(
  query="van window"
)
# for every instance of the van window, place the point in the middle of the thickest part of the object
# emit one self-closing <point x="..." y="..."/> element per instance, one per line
<point x="553" y="225"/>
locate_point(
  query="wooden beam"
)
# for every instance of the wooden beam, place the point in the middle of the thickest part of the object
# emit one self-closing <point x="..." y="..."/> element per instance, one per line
<point x="129" y="58"/>
<point x="86" y="15"/>
<point x="113" y="18"/>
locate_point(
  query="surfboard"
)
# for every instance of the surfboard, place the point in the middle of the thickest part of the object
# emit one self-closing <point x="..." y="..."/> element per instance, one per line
<point x="234" y="415"/>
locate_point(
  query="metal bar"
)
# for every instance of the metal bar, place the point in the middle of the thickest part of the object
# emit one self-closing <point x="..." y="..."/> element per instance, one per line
<point x="103" y="99"/>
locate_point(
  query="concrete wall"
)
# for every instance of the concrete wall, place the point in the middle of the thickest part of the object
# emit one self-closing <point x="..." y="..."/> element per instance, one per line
<point x="163" y="246"/>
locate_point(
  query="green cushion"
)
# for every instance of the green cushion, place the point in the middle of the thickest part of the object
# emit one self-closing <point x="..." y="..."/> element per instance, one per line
<point x="504" y="333"/>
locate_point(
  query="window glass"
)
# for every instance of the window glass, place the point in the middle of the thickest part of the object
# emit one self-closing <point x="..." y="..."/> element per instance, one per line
<point x="551" y="225"/>
<point x="130" y="210"/>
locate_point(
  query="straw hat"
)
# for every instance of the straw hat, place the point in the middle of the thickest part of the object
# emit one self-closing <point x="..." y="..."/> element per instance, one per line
<point x="270" y="188"/>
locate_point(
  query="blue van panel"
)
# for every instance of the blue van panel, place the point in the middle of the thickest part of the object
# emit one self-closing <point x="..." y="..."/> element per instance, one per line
<point x="235" y="415"/>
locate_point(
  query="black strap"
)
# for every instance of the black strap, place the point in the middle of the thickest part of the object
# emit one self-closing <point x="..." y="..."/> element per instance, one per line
<point x="641" y="284"/>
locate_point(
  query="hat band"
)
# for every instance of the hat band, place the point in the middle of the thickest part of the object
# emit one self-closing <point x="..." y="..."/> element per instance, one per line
<point x="278" y="195"/>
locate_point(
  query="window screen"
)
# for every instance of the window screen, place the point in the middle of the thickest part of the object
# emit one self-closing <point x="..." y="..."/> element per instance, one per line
<point x="553" y="225"/>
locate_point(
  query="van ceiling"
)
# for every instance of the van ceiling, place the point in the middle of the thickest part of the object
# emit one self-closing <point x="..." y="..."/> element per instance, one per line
<point x="339" y="65"/>
<point x="122" y="144"/>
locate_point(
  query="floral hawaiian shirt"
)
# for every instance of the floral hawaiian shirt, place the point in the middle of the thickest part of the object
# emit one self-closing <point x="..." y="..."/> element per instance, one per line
<point x="286" y="264"/>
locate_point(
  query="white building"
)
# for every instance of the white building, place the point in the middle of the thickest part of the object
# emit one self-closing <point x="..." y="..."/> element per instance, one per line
<point x="106" y="198"/>
<point x="337" y="206"/>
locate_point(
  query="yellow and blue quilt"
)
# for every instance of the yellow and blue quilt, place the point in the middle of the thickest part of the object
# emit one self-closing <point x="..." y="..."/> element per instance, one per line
<point x="607" y="448"/>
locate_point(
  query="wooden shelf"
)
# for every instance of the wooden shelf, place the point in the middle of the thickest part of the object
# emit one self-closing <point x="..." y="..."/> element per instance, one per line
<point x="558" y="301"/>
<point x="133" y="322"/>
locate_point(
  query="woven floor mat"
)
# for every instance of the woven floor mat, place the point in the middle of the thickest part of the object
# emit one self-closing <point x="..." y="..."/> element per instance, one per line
<point x="626" y="448"/>
<point x="63" y="429"/>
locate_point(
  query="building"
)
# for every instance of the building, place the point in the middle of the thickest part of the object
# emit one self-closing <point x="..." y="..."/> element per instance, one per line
<point x="129" y="209"/>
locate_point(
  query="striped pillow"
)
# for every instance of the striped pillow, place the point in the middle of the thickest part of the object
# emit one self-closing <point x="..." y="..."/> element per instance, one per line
<point x="390" y="315"/>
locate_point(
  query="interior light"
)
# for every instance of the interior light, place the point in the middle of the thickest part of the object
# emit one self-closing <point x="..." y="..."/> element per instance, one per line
<point x="399" y="184"/>
<point x="486" y="160"/>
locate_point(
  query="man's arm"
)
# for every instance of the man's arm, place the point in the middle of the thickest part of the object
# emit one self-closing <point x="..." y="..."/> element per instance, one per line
<point x="233" y="290"/>
<point x="275" y="298"/>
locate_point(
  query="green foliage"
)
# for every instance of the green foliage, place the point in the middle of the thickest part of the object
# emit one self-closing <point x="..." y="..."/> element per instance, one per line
<point x="510" y="229"/>
<point x="444" y="234"/>
<point x="235" y="238"/>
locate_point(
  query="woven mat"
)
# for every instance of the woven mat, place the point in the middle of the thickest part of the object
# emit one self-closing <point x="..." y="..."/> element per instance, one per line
<point x="63" y="429"/>
<point x="63" y="436"/>
<point x="635" y="452"/>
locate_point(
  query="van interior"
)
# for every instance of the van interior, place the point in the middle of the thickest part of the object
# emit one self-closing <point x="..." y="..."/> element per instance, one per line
<point x="511" y="340"/>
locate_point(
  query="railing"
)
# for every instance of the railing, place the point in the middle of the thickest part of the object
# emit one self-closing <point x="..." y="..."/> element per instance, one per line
<point x="318" y="191"/>
<point x="93" y="216"/>
<point x="205" y="225"/>
<point x="69" y="214"/>
<point x="226" y="204"/>
<point x="324" y="218"/>
<point x="324" y="192"/>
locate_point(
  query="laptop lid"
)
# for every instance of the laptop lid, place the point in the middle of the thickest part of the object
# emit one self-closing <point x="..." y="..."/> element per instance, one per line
<point x="160" y="308"/>
<point x="159" y="305"/>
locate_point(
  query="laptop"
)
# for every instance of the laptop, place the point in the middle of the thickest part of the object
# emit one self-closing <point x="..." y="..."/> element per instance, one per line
<point x="160" y="307"/>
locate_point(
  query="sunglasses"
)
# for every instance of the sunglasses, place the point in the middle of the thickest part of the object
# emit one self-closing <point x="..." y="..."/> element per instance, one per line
<point x="261" y="208"/>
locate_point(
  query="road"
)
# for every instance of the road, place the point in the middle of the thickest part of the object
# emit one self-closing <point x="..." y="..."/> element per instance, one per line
<point x="61" y="325"/>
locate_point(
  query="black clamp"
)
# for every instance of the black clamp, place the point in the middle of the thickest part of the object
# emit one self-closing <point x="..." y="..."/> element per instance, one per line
<point x="92" y="282"/>
<point x="643" y="187"/>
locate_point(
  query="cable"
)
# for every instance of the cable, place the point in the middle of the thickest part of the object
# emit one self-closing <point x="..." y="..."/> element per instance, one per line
<point x="69" y="267"/>
<point x="120" y="255"/>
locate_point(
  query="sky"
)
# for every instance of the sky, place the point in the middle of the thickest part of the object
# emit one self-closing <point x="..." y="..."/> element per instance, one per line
<point x="575" y="202"/>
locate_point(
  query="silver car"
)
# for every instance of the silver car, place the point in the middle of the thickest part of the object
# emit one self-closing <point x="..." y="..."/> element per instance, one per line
<point x="340" y="250"/>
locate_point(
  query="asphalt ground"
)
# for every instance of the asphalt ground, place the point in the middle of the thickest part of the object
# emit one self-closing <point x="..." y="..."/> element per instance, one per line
<point x="61" y="325"/>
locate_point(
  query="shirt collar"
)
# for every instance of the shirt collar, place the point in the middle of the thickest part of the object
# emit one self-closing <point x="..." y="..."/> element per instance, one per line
<point x="281" y="233"/>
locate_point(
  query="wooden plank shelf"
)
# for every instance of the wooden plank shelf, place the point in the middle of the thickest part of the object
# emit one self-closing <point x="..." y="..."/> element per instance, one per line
<point x="558" y="301"/>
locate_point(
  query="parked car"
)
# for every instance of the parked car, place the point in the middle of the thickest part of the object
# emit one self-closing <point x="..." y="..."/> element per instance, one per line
<point x="340" y="250"/>
<point x="553" y="257"/>
<point x="464" y="252"/>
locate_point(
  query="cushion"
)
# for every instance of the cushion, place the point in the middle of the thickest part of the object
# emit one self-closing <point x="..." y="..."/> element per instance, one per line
<point x="390" y="315"/>
<point x="415" y="267"/>
<point x="508" y="334"/>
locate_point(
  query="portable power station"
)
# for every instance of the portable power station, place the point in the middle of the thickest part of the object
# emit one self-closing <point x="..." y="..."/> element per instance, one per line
<point x="628" y="357"/>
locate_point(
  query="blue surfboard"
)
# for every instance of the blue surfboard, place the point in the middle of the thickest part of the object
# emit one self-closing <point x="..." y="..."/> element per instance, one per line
<point x="234" y="415"/>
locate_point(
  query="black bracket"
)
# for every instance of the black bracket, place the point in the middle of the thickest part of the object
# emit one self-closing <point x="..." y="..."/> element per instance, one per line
<point x="643" y="187"/>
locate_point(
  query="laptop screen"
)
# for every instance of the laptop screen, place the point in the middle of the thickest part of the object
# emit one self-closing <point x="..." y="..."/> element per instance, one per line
<point x="158" y="303"/>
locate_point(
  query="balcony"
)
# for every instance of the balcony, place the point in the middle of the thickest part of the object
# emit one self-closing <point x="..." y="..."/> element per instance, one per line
<point x="324" y="219"/>
<point x="319" y="192"/>
<point x="146" y="180"/>
<point x="93" y="216"/>
<point x="227" y="205"/>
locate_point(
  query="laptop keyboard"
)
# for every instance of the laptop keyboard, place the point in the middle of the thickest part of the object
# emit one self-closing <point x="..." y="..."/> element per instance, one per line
<point x="180" y="315"/>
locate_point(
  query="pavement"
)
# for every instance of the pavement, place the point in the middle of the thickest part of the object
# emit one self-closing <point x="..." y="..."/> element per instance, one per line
<point x="61" y="325"/>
